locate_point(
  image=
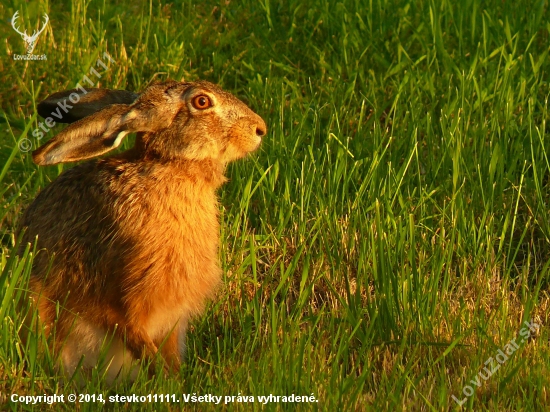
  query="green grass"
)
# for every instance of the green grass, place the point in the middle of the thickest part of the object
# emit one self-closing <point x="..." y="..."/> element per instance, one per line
<point x="389" y="238"/>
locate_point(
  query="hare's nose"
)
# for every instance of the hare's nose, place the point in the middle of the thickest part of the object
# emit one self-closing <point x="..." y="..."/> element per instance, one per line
<point x="260" y="131"/>
<point x="261" y="128"/>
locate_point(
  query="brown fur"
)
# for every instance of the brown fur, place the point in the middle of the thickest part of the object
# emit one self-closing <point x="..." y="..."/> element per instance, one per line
<point x="134" y="237"/>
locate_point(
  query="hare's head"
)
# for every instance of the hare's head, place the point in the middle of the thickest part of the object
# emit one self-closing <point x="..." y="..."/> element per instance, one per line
<point x="193" y="121"/>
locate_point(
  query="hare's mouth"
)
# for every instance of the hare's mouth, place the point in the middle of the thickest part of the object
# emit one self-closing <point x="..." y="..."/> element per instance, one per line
<point x="256" y="142"/>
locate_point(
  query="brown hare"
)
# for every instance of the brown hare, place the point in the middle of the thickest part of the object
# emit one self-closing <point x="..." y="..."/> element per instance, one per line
<point x="128" y="244"/>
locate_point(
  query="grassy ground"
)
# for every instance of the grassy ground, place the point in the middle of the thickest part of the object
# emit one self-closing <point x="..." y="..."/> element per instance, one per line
<point x="391" y="236"/>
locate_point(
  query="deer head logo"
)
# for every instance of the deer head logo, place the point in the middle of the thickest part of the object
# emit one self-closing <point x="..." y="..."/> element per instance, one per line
<point x="30" y="41"/>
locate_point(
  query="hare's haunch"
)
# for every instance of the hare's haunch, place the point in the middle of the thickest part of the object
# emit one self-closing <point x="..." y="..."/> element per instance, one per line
<point x="128" y="244"/>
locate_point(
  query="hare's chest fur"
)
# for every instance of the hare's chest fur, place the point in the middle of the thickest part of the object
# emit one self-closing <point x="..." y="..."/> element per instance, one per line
<point x="174" y="246"/>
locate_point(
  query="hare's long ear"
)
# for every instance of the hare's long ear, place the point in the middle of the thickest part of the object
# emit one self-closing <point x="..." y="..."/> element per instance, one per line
<point x="89" y="137"/>
<point x="72" y="105"/>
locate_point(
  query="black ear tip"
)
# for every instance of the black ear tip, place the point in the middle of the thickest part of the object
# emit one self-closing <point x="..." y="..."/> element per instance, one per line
<point x="44" y="109"/>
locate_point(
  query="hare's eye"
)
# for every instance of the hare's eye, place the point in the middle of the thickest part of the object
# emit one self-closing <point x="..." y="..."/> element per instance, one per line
<point x="202" y="102"/>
